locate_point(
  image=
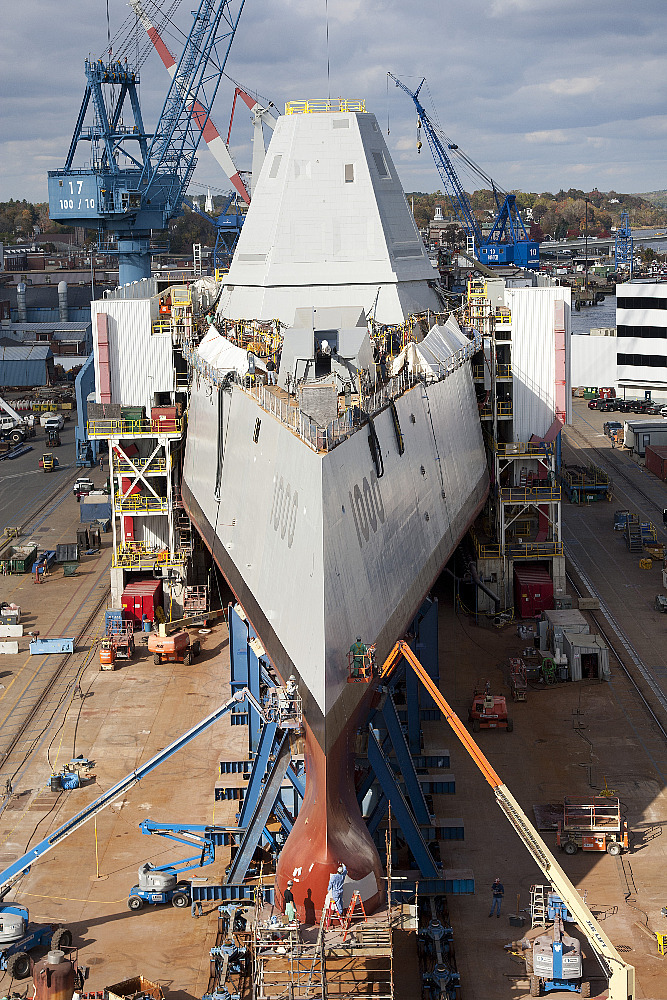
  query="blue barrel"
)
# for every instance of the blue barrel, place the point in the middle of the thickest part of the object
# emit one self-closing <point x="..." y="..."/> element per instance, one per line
<point x="146" y="626"/>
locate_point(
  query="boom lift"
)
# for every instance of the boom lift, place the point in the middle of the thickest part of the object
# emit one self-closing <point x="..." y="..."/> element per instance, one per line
<point x="621" y="976"/>
<point x="160" y="884"/>
<point x="508" y="242"/>
<point x="13" y="918"/>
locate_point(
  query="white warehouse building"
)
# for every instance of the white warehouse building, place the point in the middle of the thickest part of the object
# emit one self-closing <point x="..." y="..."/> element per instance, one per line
<point x="635" y="360"/>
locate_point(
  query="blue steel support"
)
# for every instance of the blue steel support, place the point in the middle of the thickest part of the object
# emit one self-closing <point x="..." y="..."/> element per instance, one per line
<point x="400" y="809"/>
<point x="245" y="672"/>
<point x="260" y="765"/>
<point x="84" y="384"/>
<point x="404" y="761"/>
<point x="260" y="814"/>
<point x="377" y="815"/>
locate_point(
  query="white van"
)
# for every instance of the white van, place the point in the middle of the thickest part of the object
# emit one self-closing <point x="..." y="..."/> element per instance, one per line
<point x="52" y="420"/>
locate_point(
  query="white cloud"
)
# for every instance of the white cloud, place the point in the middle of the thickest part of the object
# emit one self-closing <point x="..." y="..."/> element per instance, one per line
<point x="555" y="136"/>
<point x="574" y="86"/>
<point x="539" y="99"/>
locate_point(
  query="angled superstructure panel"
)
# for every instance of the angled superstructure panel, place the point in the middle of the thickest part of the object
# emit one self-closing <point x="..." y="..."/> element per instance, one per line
<point x="328" y="223"/>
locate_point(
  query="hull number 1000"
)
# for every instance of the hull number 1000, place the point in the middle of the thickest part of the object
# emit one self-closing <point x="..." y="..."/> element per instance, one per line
<point x="367" y="508"/>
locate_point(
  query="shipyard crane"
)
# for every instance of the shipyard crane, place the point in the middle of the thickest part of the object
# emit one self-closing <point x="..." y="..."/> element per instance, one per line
<point x="212" y="137"/>
<point x="261" y="115"/>
<point x="508" y="242"/>
<point x="127" y="202"/>
<point x="227" y="230"/>
<point x="621" y="976"/>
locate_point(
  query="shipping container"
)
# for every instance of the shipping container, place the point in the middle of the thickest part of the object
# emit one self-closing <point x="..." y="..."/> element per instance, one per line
<point x="656" y="460"/>
<point x="533" y="590"/>
<point x="141" y="597"/>
<point x="639" y="434"/>
<point x="587" y="656"/>
<point x="561" y="623"/>
<point x="164" y="418"/>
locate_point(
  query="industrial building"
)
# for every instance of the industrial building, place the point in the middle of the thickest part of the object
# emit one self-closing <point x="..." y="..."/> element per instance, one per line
<point x="524" y="391"/>
<point x="26" y="365"/>
<point x="633" y="361"/>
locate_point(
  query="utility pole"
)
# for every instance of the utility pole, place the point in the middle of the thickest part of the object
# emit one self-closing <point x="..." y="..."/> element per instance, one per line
<point x="586" y="202"/>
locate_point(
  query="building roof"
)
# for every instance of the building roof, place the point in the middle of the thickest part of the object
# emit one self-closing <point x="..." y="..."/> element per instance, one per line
<point x="26" y="352"/>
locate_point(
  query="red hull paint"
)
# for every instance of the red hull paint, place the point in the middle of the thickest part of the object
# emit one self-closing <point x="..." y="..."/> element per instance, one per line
<point x="329" y="829"/>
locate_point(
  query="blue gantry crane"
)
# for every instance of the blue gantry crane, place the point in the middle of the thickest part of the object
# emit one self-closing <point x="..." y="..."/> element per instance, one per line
<point x="135" y="182"/>
<point x="623" y="246"/>
<point x="508" y="242"/>
<point x="227" y="227"/>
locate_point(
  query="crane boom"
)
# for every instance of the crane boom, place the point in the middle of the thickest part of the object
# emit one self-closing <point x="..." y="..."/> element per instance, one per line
<point x="456" y="195"/>
<point x="212" y="137"/>
<point x="621" y="976"/>
<point x="18" y="868"/>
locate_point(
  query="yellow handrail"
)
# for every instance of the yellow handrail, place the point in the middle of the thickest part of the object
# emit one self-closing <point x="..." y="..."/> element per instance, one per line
<point x="108" y="428"/>
<point x="323" y="106"/>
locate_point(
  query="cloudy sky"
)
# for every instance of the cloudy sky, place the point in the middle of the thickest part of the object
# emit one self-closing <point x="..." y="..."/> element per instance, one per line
<point x="543" y="94"/>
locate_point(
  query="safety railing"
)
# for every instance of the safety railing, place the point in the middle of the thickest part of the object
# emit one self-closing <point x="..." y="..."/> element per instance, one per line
<point x="144" y="465"/>
<point x="369" y="403"/>
<point x="519" y="449"/>
<point x="136" y="504"/>
<point x="161" y="326"/>
<point x="110" y="428"/>
<point x="323" y="106"/>
<point x="502" y="372"/>
<point x="534" y="550"/>
<point x="502" y="409"/>
<point x="485" y="550"/>
<point x="535" y="494"/>
<point x="137" y="556"/>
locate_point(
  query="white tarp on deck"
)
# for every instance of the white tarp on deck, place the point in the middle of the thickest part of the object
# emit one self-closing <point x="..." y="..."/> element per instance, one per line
<point x="434" y="351"/>
<point x="224" y="356"/>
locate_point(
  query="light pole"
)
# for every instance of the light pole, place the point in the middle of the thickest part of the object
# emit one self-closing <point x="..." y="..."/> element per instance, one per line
<point x="586" y="202"/>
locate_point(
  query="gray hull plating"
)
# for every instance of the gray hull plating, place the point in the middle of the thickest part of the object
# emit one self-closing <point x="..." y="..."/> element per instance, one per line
<point x="315" y="546"/>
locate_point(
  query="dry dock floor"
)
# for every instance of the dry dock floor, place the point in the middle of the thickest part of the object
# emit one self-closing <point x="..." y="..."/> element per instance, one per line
<point x="567" y="740"/>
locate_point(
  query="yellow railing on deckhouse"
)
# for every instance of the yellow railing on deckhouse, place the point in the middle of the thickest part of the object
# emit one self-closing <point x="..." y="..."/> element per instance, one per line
<point x="323" y="107"/>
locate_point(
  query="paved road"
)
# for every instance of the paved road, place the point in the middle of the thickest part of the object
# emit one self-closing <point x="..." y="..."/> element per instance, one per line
<point x="24" y="486"/>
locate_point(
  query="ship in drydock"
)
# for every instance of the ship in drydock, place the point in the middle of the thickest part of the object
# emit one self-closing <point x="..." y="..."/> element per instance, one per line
<point x="331" y="500"/>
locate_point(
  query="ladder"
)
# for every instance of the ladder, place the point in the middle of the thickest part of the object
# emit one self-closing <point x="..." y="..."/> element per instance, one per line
<point x="196" y="257"/>
<point x="538" y="906"/>
<point x="349" y="916"/>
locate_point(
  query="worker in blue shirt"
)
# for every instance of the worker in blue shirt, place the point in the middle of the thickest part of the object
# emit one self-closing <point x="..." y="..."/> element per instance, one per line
<point x="335" y="887"/>
<point x="497" y="891"/>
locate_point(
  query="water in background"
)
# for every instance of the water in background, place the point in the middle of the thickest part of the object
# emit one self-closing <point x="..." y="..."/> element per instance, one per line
<point x="603" y="314"/>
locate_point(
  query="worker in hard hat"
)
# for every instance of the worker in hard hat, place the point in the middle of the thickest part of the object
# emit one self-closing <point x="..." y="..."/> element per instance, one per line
<point x="358" y="651"/>
<point x="291" y="695"/>
<point x="335" y="887"/>
<point x="288" y="900"/>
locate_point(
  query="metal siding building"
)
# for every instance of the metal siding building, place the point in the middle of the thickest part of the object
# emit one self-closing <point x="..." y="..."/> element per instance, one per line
<point x="534" y="358"/>
<point x="26" y="365"/>
<point x="594" y="361"/>
<point x="140" y="360"/>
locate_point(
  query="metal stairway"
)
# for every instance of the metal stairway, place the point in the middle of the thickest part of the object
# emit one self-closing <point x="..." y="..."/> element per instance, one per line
<point x="257" y="821"/>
